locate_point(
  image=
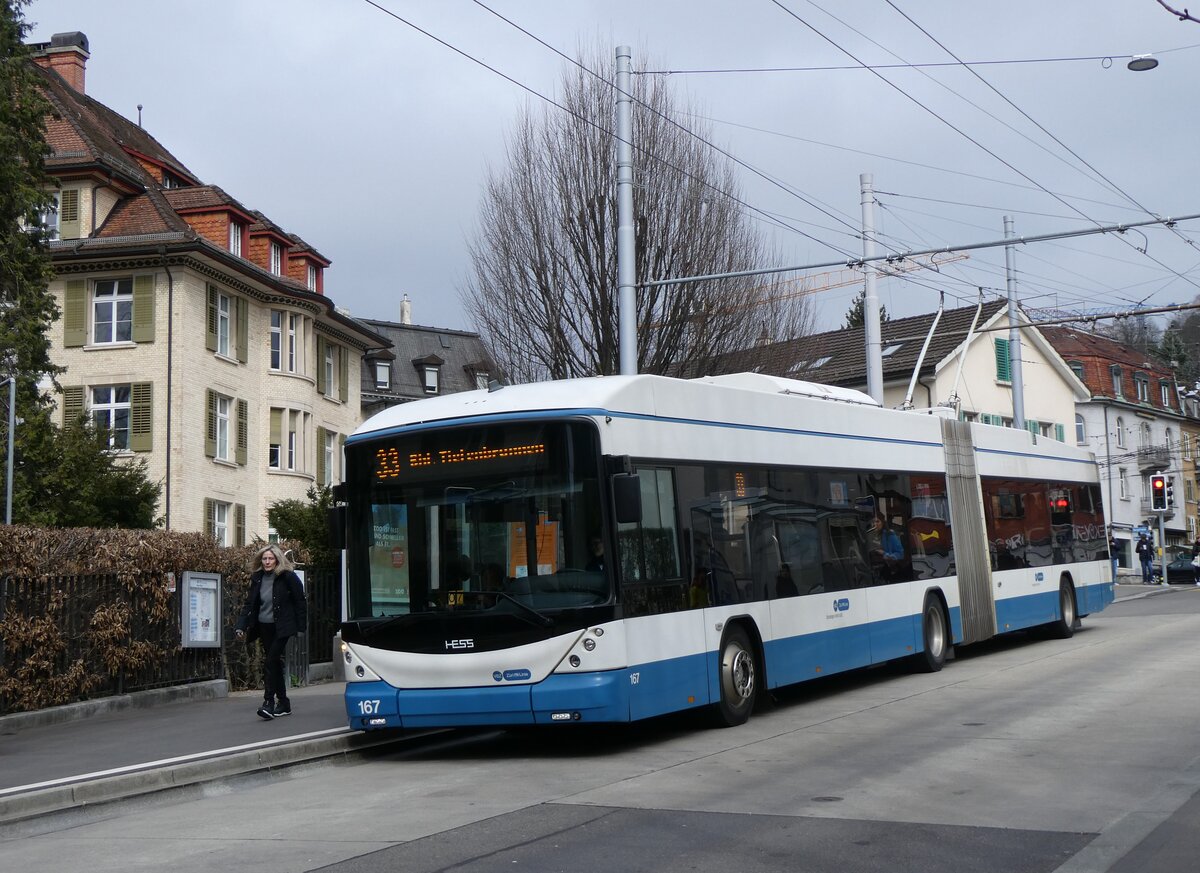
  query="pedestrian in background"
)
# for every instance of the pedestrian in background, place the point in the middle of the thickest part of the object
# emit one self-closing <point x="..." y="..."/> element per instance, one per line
<point x="1145" y="553"/>
<point x="1196" y="561"/>
<point x="275" y="611"/>
<point x="1114" y="548"/>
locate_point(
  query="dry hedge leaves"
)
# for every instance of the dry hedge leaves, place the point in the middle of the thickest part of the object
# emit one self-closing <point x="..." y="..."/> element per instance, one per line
<point x="89" y="612"/>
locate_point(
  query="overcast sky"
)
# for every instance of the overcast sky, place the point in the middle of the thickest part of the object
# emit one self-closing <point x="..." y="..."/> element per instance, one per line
<point x="370" y="140"/>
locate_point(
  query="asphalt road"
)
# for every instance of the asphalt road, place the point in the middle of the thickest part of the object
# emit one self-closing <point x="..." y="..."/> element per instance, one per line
<point x="1022" y="756"/>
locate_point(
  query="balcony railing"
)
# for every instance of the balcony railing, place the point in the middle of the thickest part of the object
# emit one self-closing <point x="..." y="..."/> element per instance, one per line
<point x="1153" y="457"/>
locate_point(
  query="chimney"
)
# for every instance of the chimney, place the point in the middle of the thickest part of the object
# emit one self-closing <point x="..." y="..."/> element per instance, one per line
<point x="65" y="54"/>
<point x="405" y="311"/>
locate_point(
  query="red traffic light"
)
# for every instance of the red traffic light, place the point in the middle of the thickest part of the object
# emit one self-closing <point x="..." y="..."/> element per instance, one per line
<point x="1158" y="492"/>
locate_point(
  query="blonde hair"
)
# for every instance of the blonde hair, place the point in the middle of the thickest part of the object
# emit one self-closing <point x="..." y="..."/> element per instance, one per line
<point x="282" y="561"/>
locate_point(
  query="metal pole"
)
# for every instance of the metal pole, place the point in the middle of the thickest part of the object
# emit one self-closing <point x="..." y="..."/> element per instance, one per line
<point x="874" y="347"/>
<point x="8" y="467"/>
<point x="1014" y="331"/>
<point x="1162" y="546"/>
<point x="626" y="266"/>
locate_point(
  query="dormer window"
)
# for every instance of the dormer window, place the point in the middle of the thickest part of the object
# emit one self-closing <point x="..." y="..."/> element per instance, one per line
<point x="430" y="370"/>
<point x="276" y="259"/>
<point x="235" y="238"/>
<point x="311" y="281"/>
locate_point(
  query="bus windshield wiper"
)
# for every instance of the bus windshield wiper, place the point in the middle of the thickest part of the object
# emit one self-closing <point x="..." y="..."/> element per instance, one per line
<point x="538" y="618"/>
<point x="395" y="619"/>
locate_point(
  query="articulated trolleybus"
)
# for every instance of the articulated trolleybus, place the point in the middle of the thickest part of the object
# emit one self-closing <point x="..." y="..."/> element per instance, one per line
<point x="615" y="548"/>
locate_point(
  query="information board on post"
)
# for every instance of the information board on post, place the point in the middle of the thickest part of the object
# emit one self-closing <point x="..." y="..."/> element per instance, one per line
<point x="200" y="622"/>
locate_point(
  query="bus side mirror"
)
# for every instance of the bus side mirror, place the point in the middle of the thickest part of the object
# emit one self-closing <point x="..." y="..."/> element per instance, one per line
<point x="627" y="498"/>
<point x="336" y="520"/>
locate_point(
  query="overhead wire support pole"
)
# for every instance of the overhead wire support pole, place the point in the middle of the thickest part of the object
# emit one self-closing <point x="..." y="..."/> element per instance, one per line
<point x="945" y="250"/>
<point x="626" y="241"/>
<point x="1014" y="331"/>
<point x="874" y="346"/>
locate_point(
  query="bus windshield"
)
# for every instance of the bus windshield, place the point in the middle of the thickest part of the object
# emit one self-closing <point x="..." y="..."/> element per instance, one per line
<point x="500" y="517"/>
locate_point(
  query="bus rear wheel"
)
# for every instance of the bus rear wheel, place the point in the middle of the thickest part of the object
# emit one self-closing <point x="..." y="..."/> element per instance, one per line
<point x="1064" y="627"/>
<point x="738" y="669"/>
<point x="934" y="635"/>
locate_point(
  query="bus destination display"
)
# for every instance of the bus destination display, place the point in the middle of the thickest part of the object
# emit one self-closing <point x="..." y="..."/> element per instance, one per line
<point x="391" y="462"/>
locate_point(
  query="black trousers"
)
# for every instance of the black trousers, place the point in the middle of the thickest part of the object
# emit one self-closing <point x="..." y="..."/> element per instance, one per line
<point x="274" y="647"/>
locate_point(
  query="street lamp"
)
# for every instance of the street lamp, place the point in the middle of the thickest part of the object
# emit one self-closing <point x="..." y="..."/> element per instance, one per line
<point x="1140" y="63"/>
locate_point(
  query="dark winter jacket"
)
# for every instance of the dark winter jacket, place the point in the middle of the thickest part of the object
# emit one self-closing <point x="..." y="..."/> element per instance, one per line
<point x="291" y="608"/>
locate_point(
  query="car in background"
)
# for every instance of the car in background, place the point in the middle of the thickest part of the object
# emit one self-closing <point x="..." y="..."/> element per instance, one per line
<point x="1179" y="567"/>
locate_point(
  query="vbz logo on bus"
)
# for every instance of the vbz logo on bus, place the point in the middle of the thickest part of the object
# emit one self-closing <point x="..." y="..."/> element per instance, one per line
<point x="842" y="604"/>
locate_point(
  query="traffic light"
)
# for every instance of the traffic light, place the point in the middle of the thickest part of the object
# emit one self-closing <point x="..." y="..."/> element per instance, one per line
<point x="1158" y="492"/>
<point x="1171" y="492"/>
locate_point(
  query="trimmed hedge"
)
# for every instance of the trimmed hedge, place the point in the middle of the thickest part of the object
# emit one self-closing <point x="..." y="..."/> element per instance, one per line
<point x="90" y="613"/>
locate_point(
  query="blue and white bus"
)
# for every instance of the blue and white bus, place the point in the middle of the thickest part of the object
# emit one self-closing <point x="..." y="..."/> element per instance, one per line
<point x="616" y="548"/>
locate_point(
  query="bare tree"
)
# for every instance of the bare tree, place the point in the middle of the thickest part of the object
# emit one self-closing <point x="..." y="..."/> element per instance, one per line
<point x="543" y="293"/>
<point x="1181" y="14"/>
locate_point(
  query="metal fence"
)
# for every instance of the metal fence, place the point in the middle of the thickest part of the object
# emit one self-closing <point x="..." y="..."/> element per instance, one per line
<point x="51" y="636"/>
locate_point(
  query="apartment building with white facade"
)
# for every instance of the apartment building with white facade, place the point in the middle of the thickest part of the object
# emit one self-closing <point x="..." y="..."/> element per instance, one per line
<point x="195" y="329"/>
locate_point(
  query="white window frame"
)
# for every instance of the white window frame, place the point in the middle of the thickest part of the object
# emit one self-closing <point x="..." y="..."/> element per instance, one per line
<point x="107" y="413"/>
<point x="1080" y="430"/>
<point x="1142" y="384"/>
<point x="330" y="370"/>
<point x="276" y="258"/>
<point x="235" y="238"/>
<point x="481" y="380"/>
<point x="1122" y="483"/>
<point x="383" y="374"/>
<point x="224" y="324"/>
<point x="292" y="341"/>
<point x="330" y="450"/>
<point x="121" y="293"/>
<point x="311" y="279"/>
<point x="293" y="442"/>
<point x="1120" y="432"/>
<point x="1118" y="384"/>
<point x="1165" y="390"/>
<point x="223" y="412"/>
<point x="431" y="379"/>
<point x="220" y="522"/>
<point x="1187" y="446"/>
<point x="46" y="219"/>
<point x="276" y="361"/>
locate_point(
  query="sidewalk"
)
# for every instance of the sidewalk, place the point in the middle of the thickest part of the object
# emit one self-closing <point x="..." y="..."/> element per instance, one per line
<point x="111" y="753"/>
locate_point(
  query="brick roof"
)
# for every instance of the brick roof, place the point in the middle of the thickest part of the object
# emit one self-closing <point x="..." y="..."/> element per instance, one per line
<point x="83" y="129"/>
<point x="1098" y="353"/>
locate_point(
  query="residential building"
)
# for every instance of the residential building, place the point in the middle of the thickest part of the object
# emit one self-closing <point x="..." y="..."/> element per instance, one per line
<point x="421" y="362"/>
<point x="974" y="374"/>
<point x="1135" y="424"/>
<point x="194" y="328"/>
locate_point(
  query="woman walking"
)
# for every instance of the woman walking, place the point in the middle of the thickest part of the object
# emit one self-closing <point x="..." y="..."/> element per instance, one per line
<point x="275" y="611"/>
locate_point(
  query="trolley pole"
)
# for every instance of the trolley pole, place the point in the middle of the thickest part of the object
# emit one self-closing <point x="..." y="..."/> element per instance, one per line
<point x="1162" y="545"/>
<point x="626" y="241"/>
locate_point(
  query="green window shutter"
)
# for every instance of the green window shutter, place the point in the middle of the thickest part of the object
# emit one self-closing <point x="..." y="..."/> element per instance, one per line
<point x="210" y="341"/>
<point x="1033" y="427"/>
<point x="69" y="224"/>
<point x="320" y="456"/>
<point x="321" y="386"/>
<point x="1003" y="365"/>
<point x="143" y="309"/>
<point x="243" y="431"/>
<point x="210" y="423"/>
<point x="243" y="328"/>
<point x="208" y="519"/>
<point x="72" y="403"/>
<point x="75" y="314"/>
<point x="276" y="427"/>
<point x="1060" y="433"/>
<point x="239" y="524"/>
<point x="141" y="416"/>
<point x="343" y="373"/>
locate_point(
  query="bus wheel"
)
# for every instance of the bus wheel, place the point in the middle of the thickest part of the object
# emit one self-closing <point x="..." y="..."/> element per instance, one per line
<point x="739" y="678"/>
<point x="935" y="637"/>
<point x="1064" y="627"/>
